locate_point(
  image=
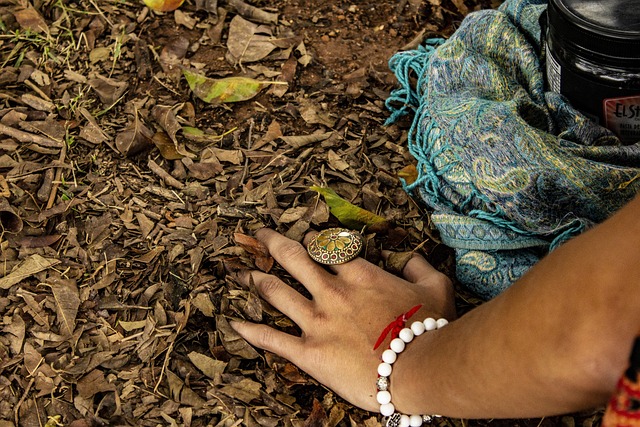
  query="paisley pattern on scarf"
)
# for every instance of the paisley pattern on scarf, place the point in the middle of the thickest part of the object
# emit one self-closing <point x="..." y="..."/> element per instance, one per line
<point x="510" y="170"/>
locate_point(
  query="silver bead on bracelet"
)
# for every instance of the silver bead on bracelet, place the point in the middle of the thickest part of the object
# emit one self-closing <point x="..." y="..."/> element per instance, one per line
<point x="389" y="356"/>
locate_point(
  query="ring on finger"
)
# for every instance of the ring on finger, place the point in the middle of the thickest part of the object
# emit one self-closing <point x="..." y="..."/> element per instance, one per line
<point x="335" y="246"/>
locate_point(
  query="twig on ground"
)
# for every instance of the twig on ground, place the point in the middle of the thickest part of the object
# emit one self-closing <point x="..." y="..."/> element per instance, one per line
<point x="29" y="137"/>
<point x="166" y="177"/>
<point x="253" y="13"/>
<point x="56" y="180"/>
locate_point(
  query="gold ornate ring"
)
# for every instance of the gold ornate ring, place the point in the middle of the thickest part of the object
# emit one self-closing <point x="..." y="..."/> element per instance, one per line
<point x="335" y="246"/>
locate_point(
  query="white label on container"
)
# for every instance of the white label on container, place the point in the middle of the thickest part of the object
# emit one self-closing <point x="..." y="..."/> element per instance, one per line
<point x="622" y="116"/>
<point x="554" y="71"/>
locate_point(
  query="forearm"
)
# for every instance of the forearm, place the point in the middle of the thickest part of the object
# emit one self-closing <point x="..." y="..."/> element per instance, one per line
<point x="555" y="342"/>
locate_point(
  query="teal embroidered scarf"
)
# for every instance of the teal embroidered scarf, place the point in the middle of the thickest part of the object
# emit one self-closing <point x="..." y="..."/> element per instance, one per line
<point x="509" y="169"/>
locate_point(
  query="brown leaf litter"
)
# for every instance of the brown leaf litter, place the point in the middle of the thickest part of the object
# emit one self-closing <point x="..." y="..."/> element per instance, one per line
<point x="128" y="205"/>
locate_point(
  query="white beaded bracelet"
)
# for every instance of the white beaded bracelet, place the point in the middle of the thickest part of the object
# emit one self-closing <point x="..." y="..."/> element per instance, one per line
<point x="389" y="356"/>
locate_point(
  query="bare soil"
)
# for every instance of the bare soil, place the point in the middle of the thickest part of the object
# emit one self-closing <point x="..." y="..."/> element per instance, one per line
<point x="123" y="226"/>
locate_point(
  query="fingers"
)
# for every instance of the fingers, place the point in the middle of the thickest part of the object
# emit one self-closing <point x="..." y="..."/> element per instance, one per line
<point x="288" y="346"/>
<point x="436" y="284"/>
<point x="294" y="258"/>
<point x="417" y="268"/>
<point x="282" y="296"/>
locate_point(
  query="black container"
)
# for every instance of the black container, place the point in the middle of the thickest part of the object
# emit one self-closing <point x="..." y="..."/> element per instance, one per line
<point x="593" y="58"/>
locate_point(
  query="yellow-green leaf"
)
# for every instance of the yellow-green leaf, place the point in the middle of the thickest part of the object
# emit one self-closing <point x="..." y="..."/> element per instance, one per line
<point x="163" y="5"/>
<point x="349" y="214"/>
<point x="228" y="89"/>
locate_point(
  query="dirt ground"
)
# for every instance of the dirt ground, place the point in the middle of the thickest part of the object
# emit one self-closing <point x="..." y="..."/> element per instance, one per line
<point x="127" y="199"/>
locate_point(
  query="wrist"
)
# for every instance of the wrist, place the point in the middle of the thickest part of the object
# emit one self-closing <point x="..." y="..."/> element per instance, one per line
<point x="386" y="386"/>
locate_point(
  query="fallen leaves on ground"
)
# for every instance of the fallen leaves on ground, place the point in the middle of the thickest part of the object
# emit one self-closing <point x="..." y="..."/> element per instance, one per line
<point x="128" y="203"/>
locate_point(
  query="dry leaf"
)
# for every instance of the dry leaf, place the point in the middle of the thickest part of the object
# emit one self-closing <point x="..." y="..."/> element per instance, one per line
<point x="396" y="261"/>
<point x="409" y="173"/>
<point x="317" y="417"/>
<point x="274" y="131"/>
<point x="203" y="170"/>
<point x="135" y="138"/>
<point x="30" y="19"/>
<point x="14" y="332"/>
<point x="248" y="42"/>
<point x="132" y="326"/>
<point x="109" y="90"/>
<point x="253" y="307"/>
<point x="166" y="146"/>
<point x="233" y="342"/>
<point x="203" y="303"/>
<point x="32" y="265"/>
<point x="167" y="119"/>
<point x="171" y="56"/>
<point x="312" y="115"/>
<point x="181" y="393"/>
<point x="39" y="241"/>
<point x="263" y="260"/>
<point x="337" y="162"/>
<point x="245" y="390"/>
<point x="350" y="215"/>
<point x="293" y="214"/>
<point x="297" y="141"/>
<point x="93" y="383"/>
<point x="287" y="75"/>
<point x="212" y="368"/>
<point x="67" y="302"/>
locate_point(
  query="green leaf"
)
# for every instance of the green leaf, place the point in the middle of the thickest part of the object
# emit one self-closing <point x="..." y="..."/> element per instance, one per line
<point x="348" y="214"/>
<point x="229" y="89"/>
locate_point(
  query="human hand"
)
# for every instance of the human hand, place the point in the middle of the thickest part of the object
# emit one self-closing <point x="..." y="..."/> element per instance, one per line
<point x="351" y="305"/>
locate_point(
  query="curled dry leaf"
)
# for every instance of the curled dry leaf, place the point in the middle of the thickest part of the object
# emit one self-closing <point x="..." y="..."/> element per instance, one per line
<point x="397" y="260"/>
<point x="167" y="119"/>
<point x="262" y="258"/>
<point x="226" y="90"/>
<point x="182" y="393"/>
<point x="135" y="138"/>
<point x="233" y="342"/>
<point x="409" y="173"/>
<point x="252" y="308"/>
<point x="166" y="146"/>
<point x="350" y="215"/>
